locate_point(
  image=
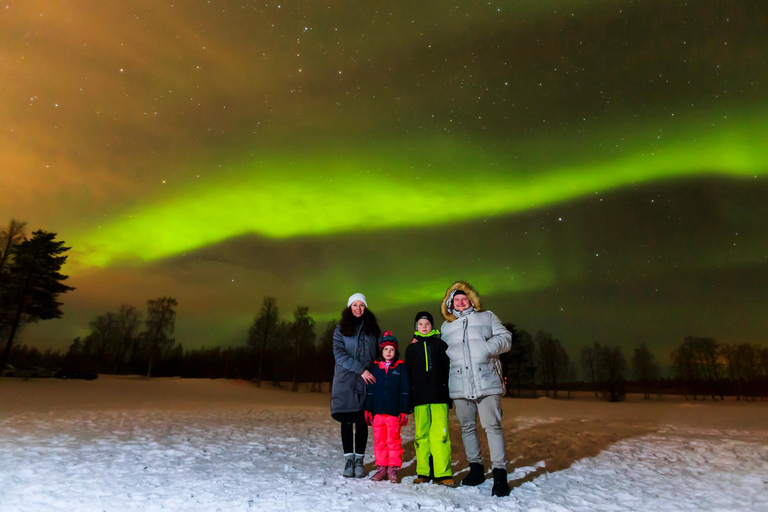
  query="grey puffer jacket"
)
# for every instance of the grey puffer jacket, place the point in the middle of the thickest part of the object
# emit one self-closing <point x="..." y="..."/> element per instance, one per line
<point x="475" y="342"/>
<point x="353" y="354"/>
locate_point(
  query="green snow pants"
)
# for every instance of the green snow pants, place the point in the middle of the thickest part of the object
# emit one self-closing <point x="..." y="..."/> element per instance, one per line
<point x="432" y="438"/>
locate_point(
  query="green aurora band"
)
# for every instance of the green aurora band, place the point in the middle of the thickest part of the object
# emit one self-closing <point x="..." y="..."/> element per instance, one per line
<point x="324" y="193"/>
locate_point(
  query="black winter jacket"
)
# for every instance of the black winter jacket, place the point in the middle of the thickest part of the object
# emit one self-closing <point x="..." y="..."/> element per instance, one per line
<point x="389" y="394"/>
<point x="428" y="366"/>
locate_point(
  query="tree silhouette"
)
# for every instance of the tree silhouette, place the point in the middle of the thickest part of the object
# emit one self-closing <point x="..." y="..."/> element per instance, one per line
<point x="103" y="338"/>
<point x="518" y="364"/>
<point x="10" y="237"/>
<point x="590" y="363"/>
<point x="112" y="338"/>
<point x="263" y="332"/>
<point x="697" y="363"/>
<point x="160" y="322"/>
<point x="614" y="364"/>
<point x="683" y="362"/>
<point x="324" y="359"/>
<point x="127" y="322"/>
<point x="32" y="284"/>
<point x="302" y="337"/>
<point x="553" y="361"/>
<point x="644" y="368"/>
<point x="280" y="350"/>
<point x="748" y="361"/>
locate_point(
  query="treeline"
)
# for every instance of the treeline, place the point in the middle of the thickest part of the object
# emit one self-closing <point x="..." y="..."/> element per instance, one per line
<point x="704" y="367"/>
<point x="122" y="342"/>
<point x="287" y="356"/>
<point x="701" y="368"/>
<point x="542" y="363"/>
<point x="275" y="351"/>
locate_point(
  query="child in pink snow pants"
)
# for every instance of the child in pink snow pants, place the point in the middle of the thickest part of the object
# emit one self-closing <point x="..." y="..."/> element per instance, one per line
<point x="386" y="408"/>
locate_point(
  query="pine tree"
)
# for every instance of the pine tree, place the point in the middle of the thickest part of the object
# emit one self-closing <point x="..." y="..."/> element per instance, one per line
<point x="32" y="284"/>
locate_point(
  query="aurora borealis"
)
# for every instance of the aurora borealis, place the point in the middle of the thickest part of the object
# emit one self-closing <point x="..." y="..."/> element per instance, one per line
<point x="596" y="169"/>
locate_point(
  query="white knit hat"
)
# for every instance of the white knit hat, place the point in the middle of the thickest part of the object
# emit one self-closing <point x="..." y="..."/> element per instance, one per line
<point x="356" y="296"/>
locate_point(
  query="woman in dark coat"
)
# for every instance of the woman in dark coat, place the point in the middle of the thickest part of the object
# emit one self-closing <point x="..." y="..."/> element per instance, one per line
<point x="355" y="342"/>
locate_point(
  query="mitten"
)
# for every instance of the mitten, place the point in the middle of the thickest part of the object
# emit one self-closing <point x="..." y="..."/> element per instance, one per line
<point x="369" y="417"/>
<point x="403" y="418"/>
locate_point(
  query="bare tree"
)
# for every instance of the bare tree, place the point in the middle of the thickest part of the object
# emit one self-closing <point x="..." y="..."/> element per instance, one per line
<point x="697" y="363"/>
<point x="10" y="237"/>
<point x="103" y="338"/>
<point x="127" y="322"/>
<point x="160" y="323"/>
<point x="302" y="337"/>
<point x="729" y="353"/>
<point x="749" y="366"/>
<point x="645" y="368"/>
<point x="518" y="361"/>
<point x="324" y="355"/>
<point x="763" y="359"/>
<point x="553" y="361"/>
<point x="590" y="363"/>
<point x="280" y="351"/>
<point x="263" y="332"/>
<point x="615" y="365"/>
<point x="707" y="351"/>
<point x="685" y="368"/>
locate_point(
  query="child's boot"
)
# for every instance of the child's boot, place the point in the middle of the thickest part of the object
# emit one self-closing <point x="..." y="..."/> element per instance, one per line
<point x="349" y="465"/>
<point x="359" y="469"/>
<point x="381" y="474"/>
<point x="446" y="481"/>
<point x="392" y="474"/>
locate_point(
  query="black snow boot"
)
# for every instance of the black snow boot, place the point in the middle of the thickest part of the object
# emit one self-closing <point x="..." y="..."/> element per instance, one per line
<point x="476" y="474"/>
<point x="500" y="484"/>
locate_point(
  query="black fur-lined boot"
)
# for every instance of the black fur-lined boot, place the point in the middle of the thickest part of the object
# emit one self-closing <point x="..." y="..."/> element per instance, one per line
<point x="500" y="484"/>
<point x="476" y="474"/>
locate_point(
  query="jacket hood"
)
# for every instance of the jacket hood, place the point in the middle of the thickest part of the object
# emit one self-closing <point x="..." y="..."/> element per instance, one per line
<point x="466" y="288"/>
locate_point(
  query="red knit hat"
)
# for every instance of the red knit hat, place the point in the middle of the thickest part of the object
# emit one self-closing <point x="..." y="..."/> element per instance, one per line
<point x="387" y="340"/>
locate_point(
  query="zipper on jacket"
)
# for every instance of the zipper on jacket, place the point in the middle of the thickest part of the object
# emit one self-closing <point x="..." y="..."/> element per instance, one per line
<point x="426" y="356"/>
<point x="468" y="363"/>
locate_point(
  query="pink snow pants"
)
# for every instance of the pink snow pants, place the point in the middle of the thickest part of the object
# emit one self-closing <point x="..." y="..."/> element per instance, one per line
<point x="387" y="445"/>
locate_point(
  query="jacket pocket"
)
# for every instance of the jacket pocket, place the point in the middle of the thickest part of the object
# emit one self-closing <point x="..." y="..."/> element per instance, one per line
<point x="456" y="382"/>
<point x="490" y="381"/>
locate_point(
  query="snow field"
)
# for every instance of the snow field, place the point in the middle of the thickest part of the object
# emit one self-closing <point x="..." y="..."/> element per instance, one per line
<point x="288" y="458"/>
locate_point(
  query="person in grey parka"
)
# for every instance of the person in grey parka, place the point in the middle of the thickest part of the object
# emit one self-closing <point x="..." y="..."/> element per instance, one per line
<point x="355" y="344"/>
<point x="475" y="339"/>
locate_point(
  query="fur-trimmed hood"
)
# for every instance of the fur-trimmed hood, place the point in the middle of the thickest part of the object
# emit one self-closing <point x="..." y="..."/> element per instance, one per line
<point x="466" y="288"/>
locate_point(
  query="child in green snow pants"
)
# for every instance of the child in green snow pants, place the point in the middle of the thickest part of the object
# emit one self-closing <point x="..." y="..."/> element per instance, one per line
<point x="431" y="422"/>
<point x="427" y="366"/>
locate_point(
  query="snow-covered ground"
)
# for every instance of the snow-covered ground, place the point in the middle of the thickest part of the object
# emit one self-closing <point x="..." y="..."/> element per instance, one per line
<point x="119" y="444"/>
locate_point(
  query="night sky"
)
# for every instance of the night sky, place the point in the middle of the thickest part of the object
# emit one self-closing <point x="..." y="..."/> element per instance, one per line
<point x="597" y="169"/>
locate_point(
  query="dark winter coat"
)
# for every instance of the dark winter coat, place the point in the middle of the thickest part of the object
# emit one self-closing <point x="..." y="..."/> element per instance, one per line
<point x="390" y="393"/>
<point x="427" y="365"/>
<point x="354" y="354"/>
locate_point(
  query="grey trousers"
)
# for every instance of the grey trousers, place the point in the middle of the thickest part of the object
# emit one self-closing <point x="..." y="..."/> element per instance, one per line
<point x="489" y="409"/>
